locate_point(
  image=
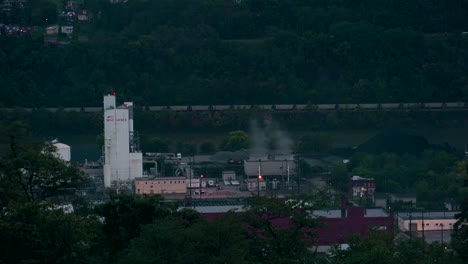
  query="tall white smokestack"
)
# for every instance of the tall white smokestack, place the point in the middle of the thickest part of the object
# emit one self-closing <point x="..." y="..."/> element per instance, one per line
<point x="129" y="105"/>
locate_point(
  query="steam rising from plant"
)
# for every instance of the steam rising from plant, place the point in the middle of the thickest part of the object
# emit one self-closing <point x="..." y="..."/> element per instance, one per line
<point x="259" y="148"/>
<point x="269" y="142"/>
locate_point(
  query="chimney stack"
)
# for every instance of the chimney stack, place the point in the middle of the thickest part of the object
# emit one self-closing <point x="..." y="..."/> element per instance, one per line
<point x="344" y="204"/>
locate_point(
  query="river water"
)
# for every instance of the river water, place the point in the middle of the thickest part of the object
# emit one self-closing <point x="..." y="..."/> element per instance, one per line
<point x="85" y="146"/>
<point x="82" y="147"/>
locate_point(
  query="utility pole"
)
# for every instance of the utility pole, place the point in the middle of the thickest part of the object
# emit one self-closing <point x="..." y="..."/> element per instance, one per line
<point x="190" y="181"/>
<point x="410" y="226"/>
<point x="283" y="169"/>
<point x="422" y="215"/>
<point x="201" y="179"/>
<point x="441" y="233"/>
<point x="275" y="183"/>
<point x="258" y="185"/>
<point x="259" y="176"/>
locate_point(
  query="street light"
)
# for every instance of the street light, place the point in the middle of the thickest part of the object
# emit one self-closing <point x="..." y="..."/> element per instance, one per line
<point x="201" y="179"/>
<point x="259" y="176"/>
<point x="258" y="184"/>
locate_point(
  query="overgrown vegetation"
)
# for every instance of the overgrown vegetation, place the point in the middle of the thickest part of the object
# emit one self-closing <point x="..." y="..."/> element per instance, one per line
<point x="242" y="52"/>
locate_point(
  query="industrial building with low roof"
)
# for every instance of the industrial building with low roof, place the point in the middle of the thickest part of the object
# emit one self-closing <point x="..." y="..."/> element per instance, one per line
<point x="431" y="220"/>
<point x="338" y="223"/>
<point x="280" y="167"/>
<point x="164" y="185"/>
<point x="430" y="225"/>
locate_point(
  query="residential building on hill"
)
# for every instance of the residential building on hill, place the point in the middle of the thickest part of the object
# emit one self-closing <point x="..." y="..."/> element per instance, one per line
<point x="361" y="187"/>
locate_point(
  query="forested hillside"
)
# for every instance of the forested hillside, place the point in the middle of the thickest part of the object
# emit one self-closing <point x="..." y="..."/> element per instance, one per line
<point x="169" y="52"/>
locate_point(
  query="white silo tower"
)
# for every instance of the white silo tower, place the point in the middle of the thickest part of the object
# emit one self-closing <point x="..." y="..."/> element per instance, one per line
<point x="123" y="161"/>
<point x="62" y="151"/>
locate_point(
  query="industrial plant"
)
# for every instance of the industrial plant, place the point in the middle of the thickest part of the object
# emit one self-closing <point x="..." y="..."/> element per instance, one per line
<point x="256" y="172"/>
<point x="123" y="160"/>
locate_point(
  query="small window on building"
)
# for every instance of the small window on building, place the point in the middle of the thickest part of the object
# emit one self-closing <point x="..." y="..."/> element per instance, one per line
<point x="183" y="181"/>
<point x="170" y="182"/>
<point x="146" y="182"/>
<point x="164" y="182"/>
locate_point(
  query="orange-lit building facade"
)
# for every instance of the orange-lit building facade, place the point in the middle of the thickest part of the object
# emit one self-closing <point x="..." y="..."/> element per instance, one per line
<point x="360" y="186"/>
<point x="166" y="185"/>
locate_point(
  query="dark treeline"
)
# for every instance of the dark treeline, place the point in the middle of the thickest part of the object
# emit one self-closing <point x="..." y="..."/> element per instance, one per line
<point x="43" y="122"/>
<point x="243" y="52"/>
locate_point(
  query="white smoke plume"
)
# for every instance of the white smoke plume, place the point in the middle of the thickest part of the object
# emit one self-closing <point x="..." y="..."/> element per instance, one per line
<point x="269" y="142"/>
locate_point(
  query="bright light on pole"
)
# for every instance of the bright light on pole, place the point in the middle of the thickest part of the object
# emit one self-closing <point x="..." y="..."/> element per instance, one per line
<point x="259" y="176"/>
<point x="258" y="184"/>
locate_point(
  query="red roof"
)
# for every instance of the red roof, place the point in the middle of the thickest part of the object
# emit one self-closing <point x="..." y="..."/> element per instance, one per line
<point x="336" y="229"/>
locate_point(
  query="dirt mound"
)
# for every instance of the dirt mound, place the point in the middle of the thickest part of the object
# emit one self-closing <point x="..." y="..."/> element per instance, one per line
<point x="395" y="141"/>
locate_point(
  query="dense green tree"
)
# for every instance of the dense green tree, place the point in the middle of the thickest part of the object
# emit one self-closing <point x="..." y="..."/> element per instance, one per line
<point x="281" y="231"/>
<point x="186" y="148"/>
<point x="40" y="174"/>
<point x="155" y="144"/>
<point x="316" y="142"/>
<point x="207" y="147"/>
<point x="42" y="12"/>
<point x="381" y="247"/>
<point x="339" y="177"/>
<point x="430" y="175"/>
<point x="33" y="171"/>
<point x="236" y="140"/>
<point x="33" y="233"/>
<point x="303" y="169"/>
<point x="460" y="235"/>
<point x="123" y="216"/>
<point x="214" y="241"/>
<point x="241" y="53"/>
